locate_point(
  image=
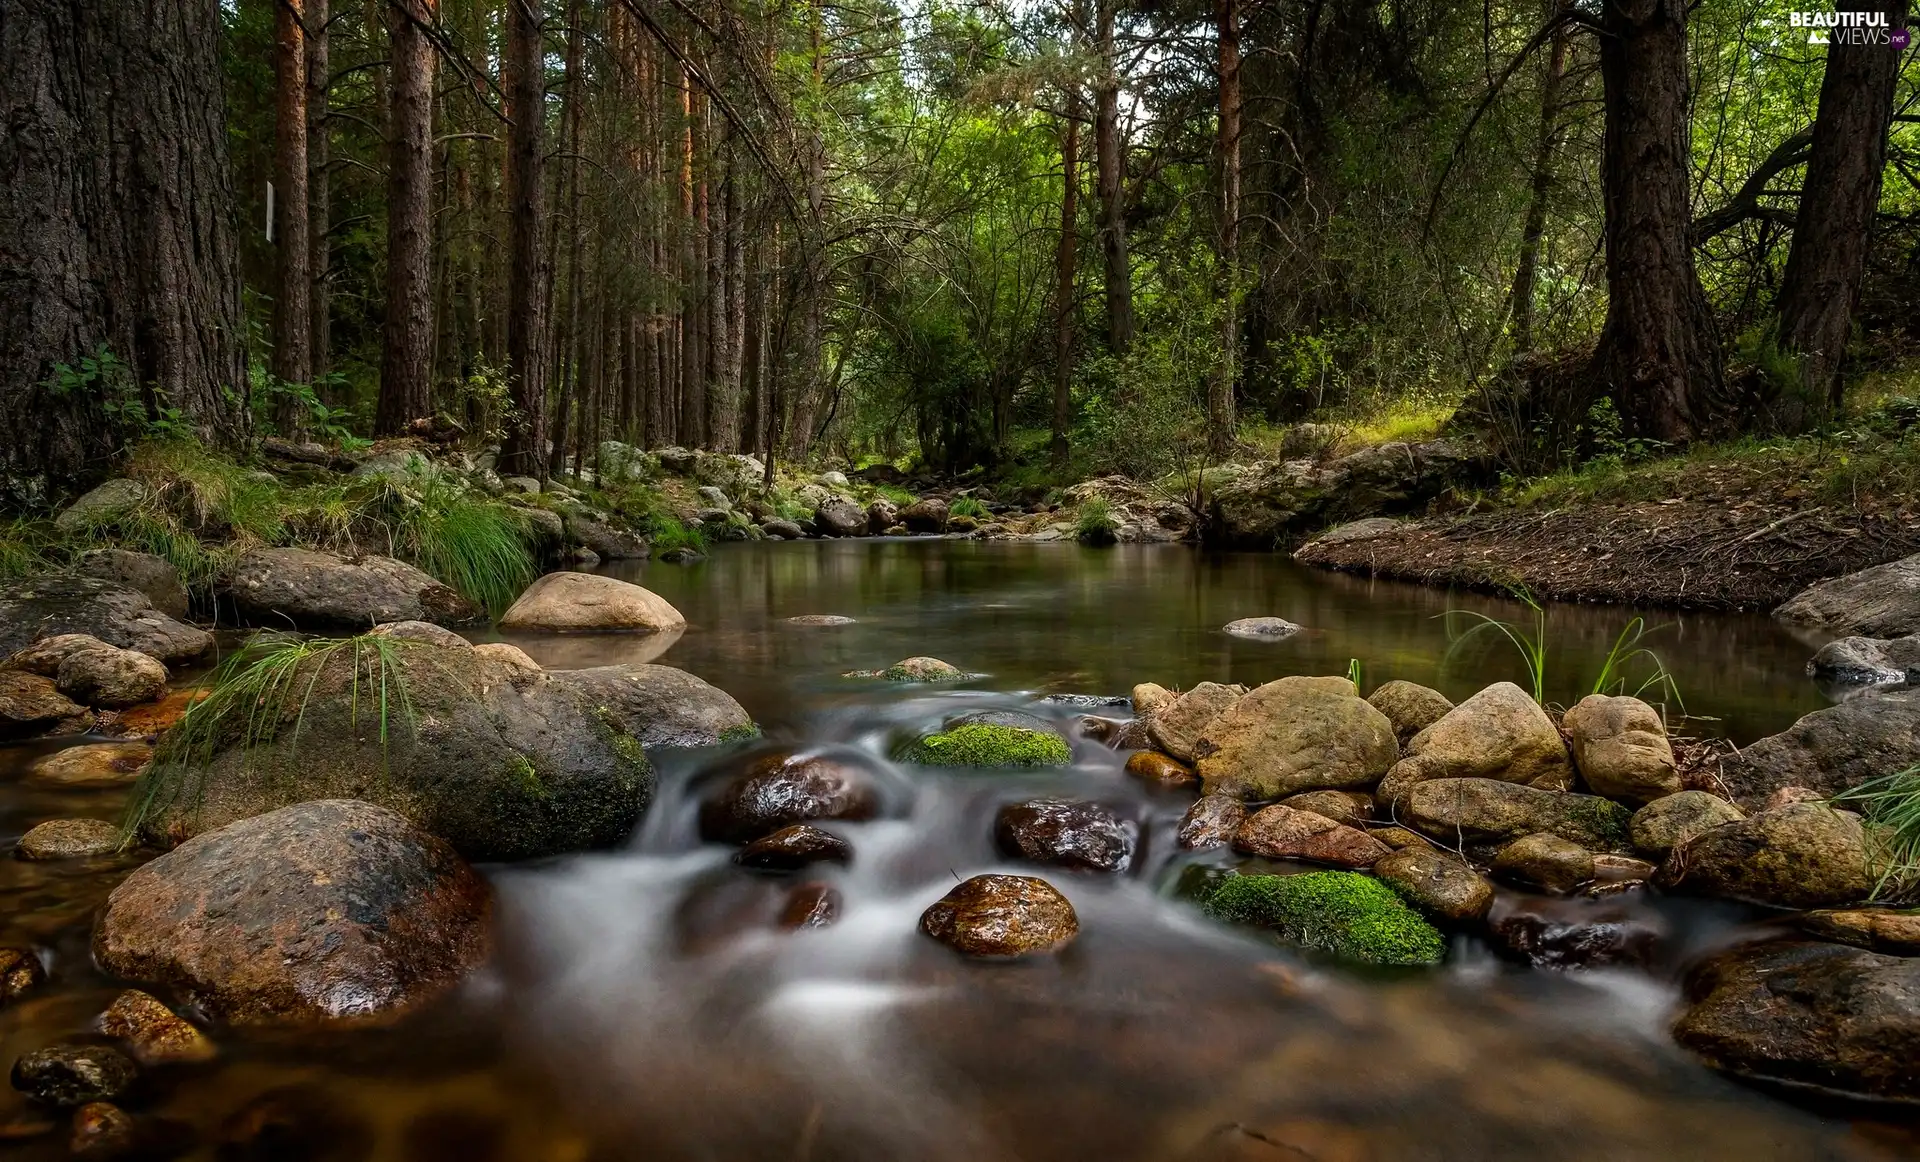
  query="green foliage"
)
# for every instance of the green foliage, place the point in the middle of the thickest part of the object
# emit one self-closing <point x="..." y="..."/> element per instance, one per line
<point x="317" y="419"/>
<point x="1353" y="916"/>
<point x="1629" y="666"/>
<point x="1891" y="805"/>
<point x="478" y="546"/>
<point x="1617" y="670"/>
<point x="1531" y="645"/>
<point x="105" y="379"/>
<point x="26" y="547"/>
<point x="980" y="744"/>
<point x="667" y="533"/>
<point x="1094" y="524"/>
<point x="968" y="506"/>
<point x="1355" y="672"/>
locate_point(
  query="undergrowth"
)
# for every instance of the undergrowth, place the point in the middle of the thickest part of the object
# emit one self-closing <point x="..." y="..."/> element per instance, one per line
<point x="1095" y="523"/>
<point x="1892" y="803"/>
<point x="668" y="533"/>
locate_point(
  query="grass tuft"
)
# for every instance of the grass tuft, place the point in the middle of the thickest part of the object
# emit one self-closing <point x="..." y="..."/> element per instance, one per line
<point x="1891" y="804"/>
<point x="968" y="506"/>
<point x="1094" y="524"/>
<point x="668" y="533"/>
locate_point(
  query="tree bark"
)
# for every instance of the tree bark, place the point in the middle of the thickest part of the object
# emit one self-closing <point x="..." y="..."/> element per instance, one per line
<point x="116" y="234"/>
<point x="406" y="362"/>
<point x="1110" y="160"/>
<point x="523" y="452"/>
<point x="292" y="318"/>
<point x="571" y="356"/>
<point x="319" y="189"/>
<point x="1828" y="258"/>
<point x="1220" y="419"/>
<point x="1063" y="280"/>
<point x="1658" y="355"/>
<point x="1526" y="271"/>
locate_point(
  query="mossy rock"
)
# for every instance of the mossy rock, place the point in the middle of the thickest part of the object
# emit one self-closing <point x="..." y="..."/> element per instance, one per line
<point x="1353" y="916"/>
<point x="984" y="744"/>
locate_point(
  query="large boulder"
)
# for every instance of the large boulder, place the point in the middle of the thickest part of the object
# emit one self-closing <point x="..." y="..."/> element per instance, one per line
<point x="840" y="518"/>
<point x="117" y="615"/>
<point x="1620" y="748"/>
<point x="503" y="762"/>
<point x="1831" y="750"/>
<point x="109" y="677"/>
<point x="925" y="516"/>
<point x="1410" y="706"/>
<point x="321" y="911"/>
<point x="589" y="603"/>
<point x="1066" y="833"/>
<point x="154" y="576"/>
<point x="1500" y="733"/>
<point x="1668" y="822"/>
<point x="608" y="542"/>
<point x="1883" y="601"/>
<point x="659" y="705"/>
<point x="1493" y="811"/>
<point x="1803" y="855"/>
<point x="1175" y="727"/>
<point x="1827" y="1016"/>
<point x="1867" y="661"/>
<point x="1295" y="734"/>
<point x="311" y="590"/>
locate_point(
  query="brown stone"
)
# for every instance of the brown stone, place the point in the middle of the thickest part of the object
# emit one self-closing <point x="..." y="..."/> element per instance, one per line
<point x="1546" y="862"/>
<point x="1410" y="706"/>
<point x="1353" y="808"/>
<point x="794" y="847"/>
<point x="569" y="602"/>
<point x="1211" y="822"/>
<point x="1161" y="770"/>
<point x="153" y="1033"/>
<point x="31" y="704"/>
<point x="1884" y="930"/>
<point x="1280" y="832"/>
<point x="810" y="905"/>
<point x="1439" y="884"/>
<point x="511" y="656"/>
<point x="1176" y="727"/>
<point x="1616" y="869"/>
<point x="150" y="719"/>
<point x="1620" y="748"/>
<point x="1000" y="915"/>
<point x="20" y="972"/>
<point x="69" y="839"/>
<point x="111" y="678"/>
<point x="1295" y="734"/>
<point x="73" y="1075"/>
<point x="102" y="1130"/>
<point x="323" y="911"/>
<point x="44" y="656"/>
<point x="1086" y="836"/>
<point x="101" y="764"/>
<point x="785" y="788"/>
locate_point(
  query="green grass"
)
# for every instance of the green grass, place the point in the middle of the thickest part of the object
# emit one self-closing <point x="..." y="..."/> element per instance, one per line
<point x="968" y="506"/>
<point x="1891" y="803"/>
<point x="1531" y="645"/>
<point x="899" y="496"/>
<point x="1630" y="667"/>
<point x="668" y="533"/>
<point x="478" y="546"/>
<point x="1627" y="654"/>
<point x="1353" y="916"/>
<point x="26" y="547"/>
<point x="1094" y="524"/>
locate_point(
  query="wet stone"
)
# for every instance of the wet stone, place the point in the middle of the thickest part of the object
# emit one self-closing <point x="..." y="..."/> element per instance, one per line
<point x="1261" y="629"/>
<point x="152" y="1032"/>
<point x="20" y="973"/>
<point x="1161" y="770"/>
<point x="1581" y="933"/>
<point x="810" y="905"/>
<point x="1546" y="862"/>
<point x="1001" y="916"/>
<point x="73" y="1075"/>
<point x="31" y="704"/>
<point x="97" y="765"/>
<point x="820" y="619"/>
<point x="102" y="1130"/>
<point x="1280" y="832"/>
<point x="69" y="839"/>
<point x="1894" y="932"/>
<point x="1211" y="822"/>
<point x="1437" y="883"/>
<point x="782" y="789"/>
<point x="303" y="1123"/>
<point x="1078" y="835"/>
<point x="794" y="847"/>
<point x="1354" y="808"/>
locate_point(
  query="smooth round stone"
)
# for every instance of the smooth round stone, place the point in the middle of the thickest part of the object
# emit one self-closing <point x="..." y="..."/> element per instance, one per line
<point x="103" y="764"/>
<point x="1161" y="770"/>
<point x="820" y="619"/>
<point x="794" y="847"/>
<point x="152" y="1032"/>
<point x="1001" y="916"/>
<point x="102" y="1130"/>
<point x="69" y="839"/>
<point x="20" y="972"/>
<point x="810" y="905"/>
<point x="1262" y="629"/>
<point x="1086" y="836"/>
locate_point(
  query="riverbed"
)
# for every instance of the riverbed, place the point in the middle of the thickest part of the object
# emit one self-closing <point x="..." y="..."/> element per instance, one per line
<point x="645" y="1003"/>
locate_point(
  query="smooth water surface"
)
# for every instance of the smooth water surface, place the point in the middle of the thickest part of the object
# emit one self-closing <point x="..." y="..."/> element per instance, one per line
<point x="646" y="1005"/>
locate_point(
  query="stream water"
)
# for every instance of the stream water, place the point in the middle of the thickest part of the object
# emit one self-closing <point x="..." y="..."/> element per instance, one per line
<point x="645" y="1004"/>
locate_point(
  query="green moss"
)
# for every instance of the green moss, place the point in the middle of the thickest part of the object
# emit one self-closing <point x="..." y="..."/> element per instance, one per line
<point x="520" y="769"/>
<point x="986" y="745"/>
<point x="740" y="732"/>
<point x="1350" y="915"/>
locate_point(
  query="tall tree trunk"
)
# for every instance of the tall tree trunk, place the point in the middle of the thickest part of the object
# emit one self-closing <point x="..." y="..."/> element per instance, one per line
<point x="406" y="362"/>
<point x="1658" y="355"/>
<point x="1526" y="272"/>
<point x="1065" y="252"/>
<point x="736" y="281"/>
<point x="570" y="355"/>
<point x="803" y="386"/>
<point x="319" y="189"/>
<point x="1220" y="420"/>
<point x="1110" y="160"/>
<point x="523" y="452"/>
<point x="1828" y="258"/>
<point x="116" y="232"/>
<point x="292" y="314"/>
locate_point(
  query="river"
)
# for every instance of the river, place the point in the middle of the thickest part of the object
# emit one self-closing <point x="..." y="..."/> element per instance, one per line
<point x="644" y="1004"/>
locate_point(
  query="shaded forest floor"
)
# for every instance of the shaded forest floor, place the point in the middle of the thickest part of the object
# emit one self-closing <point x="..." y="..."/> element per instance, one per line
<point x="1740" y="526"/>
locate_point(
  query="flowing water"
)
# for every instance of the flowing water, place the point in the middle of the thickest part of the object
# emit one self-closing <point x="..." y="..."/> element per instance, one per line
<point x="647" y="1005"/>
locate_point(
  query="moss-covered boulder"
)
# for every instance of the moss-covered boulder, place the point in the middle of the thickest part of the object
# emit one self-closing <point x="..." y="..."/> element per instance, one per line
<point x="1353" y="916"/>
<point x="921" y="669"/>
<point x="503" y="762"/>
<point x="989" y="741"/>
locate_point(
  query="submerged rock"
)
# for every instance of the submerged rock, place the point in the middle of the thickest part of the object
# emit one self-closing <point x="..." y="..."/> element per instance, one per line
<point x="1883" y="601"/>
<point x="321" y="911"/>
<point x="103" y="1130"/>
<point x="793" y="847"/>
<point x="319" y="591"/>
<point x="1211" y="822"/>
<point x="1175" y="727"/>
<point x="1492" y="811"/>
<point x="782" y="789"/>
<point x="110" y="678"/>
<point x="1620" y="748"/>
<point x="1803" y="855"/>
<point x="1002" y="916"/>
<point x="73" y="1075"/>
<point x="1437" y="883"/>
<point x="810" y="905"/>
<point x="1067" y="834"/>
<point x="152" y="1032"/>
<point x="1500" y="733"/>
<point x="1410" y="706"/>
<point x="988" y="744"/>
<point x="1292" y="735"/>
<point x="1547" y="862"/>
<point x="1578" y="933"/>
<point x="93" y="766"/>
<point x="31" y="704"/>
<point x="590" y="603"/>
<point x="823" y="619"/>
<point x="69" y="839"/>
<point x="1671" y="820"/>
<point x="921" y="669"/>
<point x="1831" y="750"/>
<point x="20" y="973"/>
<point x="119" y="616"/>
<point x="501" y="762"/>
<point x="1280" y="832"/>
<point x="1261" y="629"/>
<point x="1353" y="916"/>
<point x="1866" y="661"/>
<point x="659" y="705"/>
<point x="1828" y="1016"/>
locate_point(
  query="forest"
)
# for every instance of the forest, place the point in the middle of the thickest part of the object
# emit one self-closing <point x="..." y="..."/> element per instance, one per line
<point x="1044" y="241"/>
